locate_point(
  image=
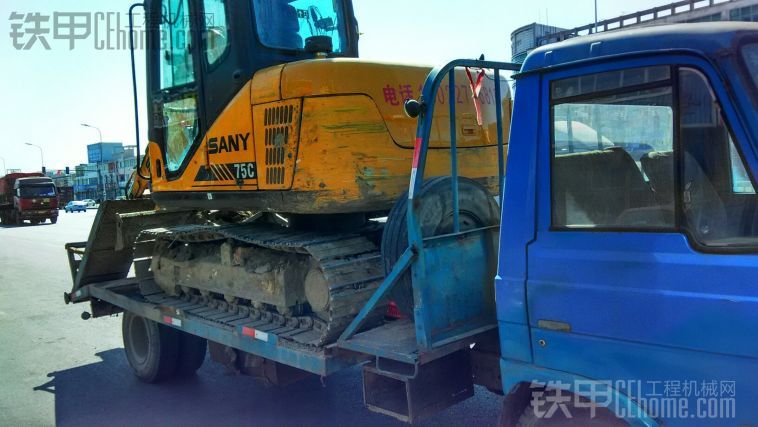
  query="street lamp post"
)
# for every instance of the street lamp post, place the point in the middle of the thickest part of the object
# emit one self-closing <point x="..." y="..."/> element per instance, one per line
<point x="41" y="156"/>
<point x="98" y="132"/>
<point x="595" y="16"/>
<point x="99" y="163"/>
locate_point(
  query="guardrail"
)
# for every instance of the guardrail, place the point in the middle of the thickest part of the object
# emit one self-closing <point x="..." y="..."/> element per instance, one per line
<point x="636" y="18"/>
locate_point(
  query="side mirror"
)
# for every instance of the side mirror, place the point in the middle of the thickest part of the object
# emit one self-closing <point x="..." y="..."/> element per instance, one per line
<point x="412" y="108"/>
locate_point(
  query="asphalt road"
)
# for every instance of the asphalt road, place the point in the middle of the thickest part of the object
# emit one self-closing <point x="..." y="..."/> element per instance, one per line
<point x="56" y="369"/>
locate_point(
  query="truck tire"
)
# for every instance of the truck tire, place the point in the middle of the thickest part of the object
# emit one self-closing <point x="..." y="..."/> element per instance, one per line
<point x="192" y="351"/>
<point x="477" y="208"/>
<point x="151" y="348"/>
<point x="53" y="220"/>
<point x="580" y="417"/>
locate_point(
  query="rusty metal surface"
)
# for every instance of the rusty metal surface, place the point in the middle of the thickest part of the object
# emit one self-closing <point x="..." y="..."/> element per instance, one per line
<point x="101" y="260"/>
<point x="433" y="387"/>
<point x="130" y="224"/>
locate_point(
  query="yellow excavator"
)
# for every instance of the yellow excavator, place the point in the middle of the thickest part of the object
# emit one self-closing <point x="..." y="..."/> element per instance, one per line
<point x="272" y="182"/>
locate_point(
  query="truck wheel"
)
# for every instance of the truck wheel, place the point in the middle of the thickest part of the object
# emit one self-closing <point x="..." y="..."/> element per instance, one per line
<point x="580" y="417"/>
<point x="53" y="220"/>
<point x="477" y="208"/>
<point x="192" y="351"/>
<point x="151" y="348"/>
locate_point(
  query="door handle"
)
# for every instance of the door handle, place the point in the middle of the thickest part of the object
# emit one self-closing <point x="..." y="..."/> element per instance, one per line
<point x="554" y="325"/>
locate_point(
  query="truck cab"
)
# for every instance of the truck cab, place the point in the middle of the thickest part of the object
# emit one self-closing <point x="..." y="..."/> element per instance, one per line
<point x="27" y="196"/>
<point x="35" y="199"/>
<point x="629" y="236"/>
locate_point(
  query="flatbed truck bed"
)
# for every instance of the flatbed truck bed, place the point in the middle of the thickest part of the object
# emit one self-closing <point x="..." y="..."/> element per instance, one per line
<point x="240" y="331"/>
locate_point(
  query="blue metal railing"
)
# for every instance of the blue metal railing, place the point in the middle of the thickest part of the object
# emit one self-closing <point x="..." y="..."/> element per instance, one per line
<point x="425" y="109"/>
<point x="423" y="132"/>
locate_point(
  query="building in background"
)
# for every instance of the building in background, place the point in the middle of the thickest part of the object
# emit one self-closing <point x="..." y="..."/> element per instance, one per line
<point x="103" y="151"/>
<point x="86" y="183"/>
<point x="525" y="39"/>
<point x="64" y="183"/>
<point x="119" y="169"/>
<point x="104" y="178"/>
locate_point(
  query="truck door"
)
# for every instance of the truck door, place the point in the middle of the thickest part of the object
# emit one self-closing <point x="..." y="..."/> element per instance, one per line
<point x="643" y="271"/>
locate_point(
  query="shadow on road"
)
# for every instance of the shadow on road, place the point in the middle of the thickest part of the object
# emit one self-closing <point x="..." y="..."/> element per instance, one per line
<point x="106" y="392"/>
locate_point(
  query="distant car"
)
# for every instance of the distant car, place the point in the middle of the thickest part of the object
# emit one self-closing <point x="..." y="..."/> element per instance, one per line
<point x="75" y="206"/>
<point x="90" y="203"/>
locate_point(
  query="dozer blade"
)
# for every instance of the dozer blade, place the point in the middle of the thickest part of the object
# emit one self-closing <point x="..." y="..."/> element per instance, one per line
<point x="106" y="256"/>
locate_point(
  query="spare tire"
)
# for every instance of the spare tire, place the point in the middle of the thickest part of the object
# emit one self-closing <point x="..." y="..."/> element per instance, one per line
<point x="477" y="208"/>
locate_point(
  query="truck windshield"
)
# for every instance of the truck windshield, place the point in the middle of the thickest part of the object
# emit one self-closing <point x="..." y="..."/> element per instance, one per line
<point x="750" y="54"/>
<point x="38" y="191"/>
<point x="286" y="24"/>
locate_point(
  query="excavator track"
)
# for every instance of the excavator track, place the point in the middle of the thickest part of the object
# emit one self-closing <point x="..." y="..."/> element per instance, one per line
<point x="350" y="262"/>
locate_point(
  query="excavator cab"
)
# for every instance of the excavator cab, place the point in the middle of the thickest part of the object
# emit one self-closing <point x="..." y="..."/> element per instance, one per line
<point x="202" y="52"/>
<point x="263" y="106"/>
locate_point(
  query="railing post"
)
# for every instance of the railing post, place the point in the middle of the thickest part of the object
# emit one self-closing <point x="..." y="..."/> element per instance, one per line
<point x="453" y="151"/>
<point x="500" y="147"/>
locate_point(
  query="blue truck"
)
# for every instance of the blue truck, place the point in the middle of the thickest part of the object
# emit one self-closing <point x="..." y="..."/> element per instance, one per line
<point x="618" y="289"/>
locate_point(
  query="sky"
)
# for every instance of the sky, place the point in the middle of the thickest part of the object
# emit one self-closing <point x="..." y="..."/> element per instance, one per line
<point x="46" y="94"/>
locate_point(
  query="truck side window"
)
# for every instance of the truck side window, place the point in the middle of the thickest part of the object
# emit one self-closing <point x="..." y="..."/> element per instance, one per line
<point x="719" y="200"/>
<point x="216" y="30"/>
<point x="613" y="163"/>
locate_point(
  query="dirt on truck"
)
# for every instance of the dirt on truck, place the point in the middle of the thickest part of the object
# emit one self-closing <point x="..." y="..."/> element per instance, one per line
<point x="27" y="197"/>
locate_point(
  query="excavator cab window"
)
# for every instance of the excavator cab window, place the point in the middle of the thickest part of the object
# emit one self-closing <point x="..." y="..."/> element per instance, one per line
<point x="176" y="59"/>
<point x="181" y="129"/>
<point x="285" y="24"/>
<point x="216" y="30"/>
<point x="177" y="76"/>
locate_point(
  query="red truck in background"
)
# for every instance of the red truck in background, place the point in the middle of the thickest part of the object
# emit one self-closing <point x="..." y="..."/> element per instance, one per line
<point x="27" y="196"/>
